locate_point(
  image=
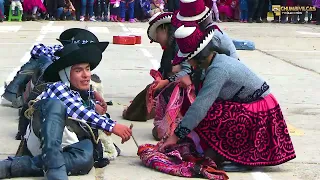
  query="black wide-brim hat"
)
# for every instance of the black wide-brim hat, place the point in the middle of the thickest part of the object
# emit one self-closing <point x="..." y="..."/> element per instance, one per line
<point x="73" y="54"/>
<point x="80" y="36"/>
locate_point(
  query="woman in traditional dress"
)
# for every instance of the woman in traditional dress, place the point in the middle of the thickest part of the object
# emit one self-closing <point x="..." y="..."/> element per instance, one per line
<point x="235" y="114"/>
<point x="161" y="31"/>
<point x="173" y="102"/>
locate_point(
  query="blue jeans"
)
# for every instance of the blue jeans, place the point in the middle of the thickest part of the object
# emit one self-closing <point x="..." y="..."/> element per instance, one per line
<point x="84" y="5"/>
<point x="1" y="8"/>
<point x="114" y="11"/>
<point x="130" y="9"/>
<point x="60" y="12"/>
<point x="244" y="15"/>
<point x="102" y="8"/>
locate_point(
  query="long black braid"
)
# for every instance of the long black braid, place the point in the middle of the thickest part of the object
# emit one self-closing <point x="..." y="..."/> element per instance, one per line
<point x="169" y="52"/>
<point x="199" y="59"/>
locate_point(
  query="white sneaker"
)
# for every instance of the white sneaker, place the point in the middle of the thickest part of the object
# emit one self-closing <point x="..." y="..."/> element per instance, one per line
<point x="93" y="19"/>
<point x="81" y="18"/>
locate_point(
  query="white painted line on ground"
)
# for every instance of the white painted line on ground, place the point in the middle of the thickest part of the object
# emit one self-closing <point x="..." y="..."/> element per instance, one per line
<point x="146" y="52"/>
<point x="99" y="30"/>
<point x="124" y="28"/>
<point x="291" y="51"/>
<point x="52" y="29"/>
<point x="155" y="63"/>
<point x="6" y="29"/>
<point x="12" y="74"/>
<point x="137" y="30"/>
<point x="26" y="57"/>
<point x="308" y="33"/>
<point x="260" y="176"/>
<point x="40" y="38"/>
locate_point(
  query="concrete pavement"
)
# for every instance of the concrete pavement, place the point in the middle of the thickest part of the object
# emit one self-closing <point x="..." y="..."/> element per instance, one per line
<point x="287" y="56"/>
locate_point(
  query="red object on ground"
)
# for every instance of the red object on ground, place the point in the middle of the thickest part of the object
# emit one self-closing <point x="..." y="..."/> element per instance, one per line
<point x="138" y="39"/>
<point x="127" y="40"/>
<point x="124" y="40"/>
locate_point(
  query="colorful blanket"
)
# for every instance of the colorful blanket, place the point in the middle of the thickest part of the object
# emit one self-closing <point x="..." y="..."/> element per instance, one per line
<point x="150" y="102"/>
<point x="171" y="104"/>
<point x="180" y="160"/>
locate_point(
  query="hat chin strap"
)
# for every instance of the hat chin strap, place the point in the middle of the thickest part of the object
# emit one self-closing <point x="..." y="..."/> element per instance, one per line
<point x="65" y="75"/>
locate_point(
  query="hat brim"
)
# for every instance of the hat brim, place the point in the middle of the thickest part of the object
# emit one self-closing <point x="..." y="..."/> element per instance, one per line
<point x="153" y="27"/>
<point x="180" y="57"/>
<point x="200" y="17"/>
<point x="101" y="45"/>
<point x="70" y="32"/>
<point x="86" y="54"/>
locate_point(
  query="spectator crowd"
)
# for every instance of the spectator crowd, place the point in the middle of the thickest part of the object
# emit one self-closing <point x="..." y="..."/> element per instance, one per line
<point x="141" y="10"/>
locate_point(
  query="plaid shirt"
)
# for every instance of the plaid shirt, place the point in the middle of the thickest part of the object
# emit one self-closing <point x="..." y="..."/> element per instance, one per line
<point x="75" y="106"/>
<point x="41" y="49"/>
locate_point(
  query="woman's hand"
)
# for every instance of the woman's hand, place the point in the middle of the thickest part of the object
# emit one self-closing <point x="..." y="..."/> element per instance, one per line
<point x="161" y="83"/>
<point x="185" y="81"/>
<point x="172" y="140"/>
<point x="176" y="68"/>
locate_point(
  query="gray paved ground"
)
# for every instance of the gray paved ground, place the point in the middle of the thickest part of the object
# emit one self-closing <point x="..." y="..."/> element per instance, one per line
<point x="287" y="56"/>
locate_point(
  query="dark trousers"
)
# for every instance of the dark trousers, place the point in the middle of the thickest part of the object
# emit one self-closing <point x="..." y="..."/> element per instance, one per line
<point x="48" y="124"/>
<point x="173" y="5"/>
<point x="318" y="16"/>
<point x="255" y="9"/>
<point x="127" y="6"/>
<point x="101" y="8"/>
<point x="114" y="11"/>
<point x="265" y="10"/>
<point x="22" y="77"/>
<point x="252" y="8"/>
<point x="244" y="15"/>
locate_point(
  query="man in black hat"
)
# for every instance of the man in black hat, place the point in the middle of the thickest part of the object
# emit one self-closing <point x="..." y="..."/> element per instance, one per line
<point x="56" y="152"/>
<point x="41" y="57"/>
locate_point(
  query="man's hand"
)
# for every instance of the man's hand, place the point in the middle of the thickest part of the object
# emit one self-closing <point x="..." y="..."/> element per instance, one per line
<point x="161" y="83"/>
<point x="122" y="131"/>
<point x="101" y="101"/>
<point x="100" y="110"/>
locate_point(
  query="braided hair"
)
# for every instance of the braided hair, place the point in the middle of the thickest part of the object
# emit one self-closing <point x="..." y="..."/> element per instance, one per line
<point x="199" y="59"/>
<point x="169" y="52"/>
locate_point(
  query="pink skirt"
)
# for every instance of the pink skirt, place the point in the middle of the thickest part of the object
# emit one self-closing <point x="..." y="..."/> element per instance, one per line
<point x="227" y="10"/>
<point x="28" y="5"/>
<point x="253" y="134"/>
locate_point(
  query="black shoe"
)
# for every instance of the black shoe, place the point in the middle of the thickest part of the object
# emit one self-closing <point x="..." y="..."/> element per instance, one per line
<point x="318" y="23"/>
<point x="250" y="20"/>
<point x="18" y="136"/>
<point x="259" y="21"/>
<point x="1" y="19"/>
<point x="5" y="169"/>
<point x="235" y="167"/>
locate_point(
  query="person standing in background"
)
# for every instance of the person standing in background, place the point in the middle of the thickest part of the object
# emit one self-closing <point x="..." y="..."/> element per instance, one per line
<point x="244" y="11"/>
<point x="1" y="10"/>
<point x="265" y="11"/>
<point x="215" y="11"/>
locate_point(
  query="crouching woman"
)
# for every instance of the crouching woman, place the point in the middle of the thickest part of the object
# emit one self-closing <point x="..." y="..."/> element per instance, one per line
<point x="235" y="114"/>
